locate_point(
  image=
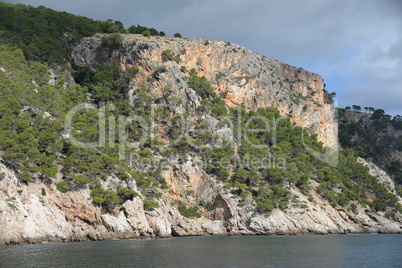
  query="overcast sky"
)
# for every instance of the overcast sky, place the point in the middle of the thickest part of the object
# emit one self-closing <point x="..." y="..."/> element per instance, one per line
<point x="355" y="45"/>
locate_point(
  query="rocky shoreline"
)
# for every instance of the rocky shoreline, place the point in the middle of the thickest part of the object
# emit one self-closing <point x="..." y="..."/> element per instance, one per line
<point x="131" y="236"/>
<point x="28" y="216"/>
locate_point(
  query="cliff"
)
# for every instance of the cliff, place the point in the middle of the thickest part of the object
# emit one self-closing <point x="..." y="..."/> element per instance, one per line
<point x="39" y="212"/>
<point x="258" y="202"/>
<point x="236" y="73"/>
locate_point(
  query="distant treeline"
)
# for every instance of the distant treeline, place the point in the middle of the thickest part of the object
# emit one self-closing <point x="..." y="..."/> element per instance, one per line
<point x="142" y="29"/>
<point x="376" y="113"/>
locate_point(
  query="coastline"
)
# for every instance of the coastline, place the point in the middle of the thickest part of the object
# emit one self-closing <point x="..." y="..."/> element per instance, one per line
<point x="132" y="236"/>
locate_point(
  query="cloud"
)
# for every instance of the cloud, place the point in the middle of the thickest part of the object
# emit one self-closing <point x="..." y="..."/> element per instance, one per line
<point x="379" y="67"/>
<point x="355" y="45"/>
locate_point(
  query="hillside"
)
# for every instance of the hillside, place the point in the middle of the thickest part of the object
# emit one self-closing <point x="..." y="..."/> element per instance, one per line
<point x="375" y="136"/>
<point x="128" y="136"/>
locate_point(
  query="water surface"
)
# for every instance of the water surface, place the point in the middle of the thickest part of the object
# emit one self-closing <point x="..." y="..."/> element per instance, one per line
<point x="231" y="251"/>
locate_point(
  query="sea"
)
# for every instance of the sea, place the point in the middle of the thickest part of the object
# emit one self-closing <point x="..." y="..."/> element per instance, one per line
<point x="371" y="250"/>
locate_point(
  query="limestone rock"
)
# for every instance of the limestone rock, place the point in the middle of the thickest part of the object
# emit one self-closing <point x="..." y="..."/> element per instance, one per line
<point x="117" y="224"/>
<point x="248" y="78"/>
<point x="380" y="175"/>
<point x="214" y="228"/>
<point x="136" y="215"/>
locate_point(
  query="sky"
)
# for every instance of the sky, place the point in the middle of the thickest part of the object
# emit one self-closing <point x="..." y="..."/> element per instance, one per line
<point x="355" y="45"/>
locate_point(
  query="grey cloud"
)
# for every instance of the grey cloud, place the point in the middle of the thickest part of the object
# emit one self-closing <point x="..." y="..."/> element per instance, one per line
<point x="383" y="94"/>
<point x="395" y="51"/>
<point x="380" y="70"/>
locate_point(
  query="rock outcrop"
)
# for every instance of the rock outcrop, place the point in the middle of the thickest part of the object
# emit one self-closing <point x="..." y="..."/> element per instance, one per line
<point x="380" y="174"/>
<point x="41" y="213"/>
<point x="238" y="74"/>
<point x="35" y="212"/>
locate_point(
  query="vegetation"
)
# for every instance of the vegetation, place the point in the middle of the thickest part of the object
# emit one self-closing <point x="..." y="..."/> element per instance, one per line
<point x="373" y="136"/>
<point x="329" y="98"/>
<point x="169" y="55"/>
<point x="142" y="29"/>
<point x="146" y="33"/>
<point x="33" y="112"/>
<point x="201" y="85"/>
<point x="207" y="205"/>
<point x="44" y="34"/>
<point x="150" y="205"/>
<point x="269" y="177"/>
<point x="188" y="212"/>
<point x="259" y="165"/>
<point x="112" y="41"/>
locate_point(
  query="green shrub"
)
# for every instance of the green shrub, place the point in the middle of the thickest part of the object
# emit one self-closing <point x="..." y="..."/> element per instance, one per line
<point x="150" y="204"/>
<point x="44" y="34"/>
<point x="164" y="184"/>
<point x="132" y="71"/>
<point x="218" y="107"/>
<point x="111" y="199"/>
<point x="81" y="178"/>
<point x="159" y="70"/>
<point x="283" y="206"/>
<point x="111" y="42"/>
<point x="207" y="205"/>
<point x="63" y="186"/>
<point x="98" y="200"/>
<point x="141" y="29"/>
<point x="146" y="33"/>
<point x="353" y="208"/>
<point x="26" y="176"/>
<point x="200" y="85"/>
<point x="126" y="194"/>
<point x="169" y="55"/>
<point x="188" y="212"/>
<point x="265" y="206"/>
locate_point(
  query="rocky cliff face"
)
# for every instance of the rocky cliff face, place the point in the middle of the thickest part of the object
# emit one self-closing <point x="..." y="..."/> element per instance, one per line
<point x="238" y="74"/>
<point x="41" y="213"/>
<point x="38" y="212"/>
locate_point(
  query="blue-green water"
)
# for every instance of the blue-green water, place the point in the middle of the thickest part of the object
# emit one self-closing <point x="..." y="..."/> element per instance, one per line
<point x="231" y="251"/>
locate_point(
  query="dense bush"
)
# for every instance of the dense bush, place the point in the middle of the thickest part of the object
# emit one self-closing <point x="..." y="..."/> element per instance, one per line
<point x="200" y="85"/>
<point x="150" y="204"/>
<point x="141" y="29"/>
<point x="112" y="41"/>
<point x="188" y="212"/>
<point x="169" y="55"/>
